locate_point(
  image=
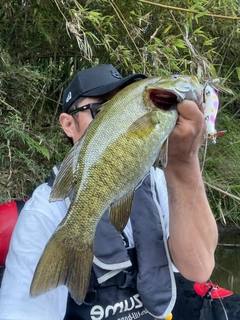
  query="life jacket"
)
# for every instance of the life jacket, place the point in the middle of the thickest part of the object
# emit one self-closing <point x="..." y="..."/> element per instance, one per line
<point x="143" y="284"/>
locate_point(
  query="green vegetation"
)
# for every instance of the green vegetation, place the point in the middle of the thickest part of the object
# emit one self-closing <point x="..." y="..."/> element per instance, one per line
<point x="43" y="43"/>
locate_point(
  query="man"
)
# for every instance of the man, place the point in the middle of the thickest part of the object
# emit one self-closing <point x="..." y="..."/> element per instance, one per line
<point x="186" y="225"/>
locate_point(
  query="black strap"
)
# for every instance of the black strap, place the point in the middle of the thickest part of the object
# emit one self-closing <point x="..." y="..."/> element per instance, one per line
<point x="124" y="279"/>
<point x="50" y="180"/>
<point x="1" y="274"/>
<point x="20" y="204"/>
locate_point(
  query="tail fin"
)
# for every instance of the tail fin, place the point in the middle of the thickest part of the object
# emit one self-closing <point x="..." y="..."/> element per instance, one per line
<point x="64" y="262"/>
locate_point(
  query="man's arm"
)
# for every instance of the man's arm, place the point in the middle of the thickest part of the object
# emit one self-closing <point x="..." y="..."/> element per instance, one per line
<point x="192" y="227"/>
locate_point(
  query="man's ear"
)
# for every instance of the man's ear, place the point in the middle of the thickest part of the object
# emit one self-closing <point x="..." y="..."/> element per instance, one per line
<point x="67" y="123"/>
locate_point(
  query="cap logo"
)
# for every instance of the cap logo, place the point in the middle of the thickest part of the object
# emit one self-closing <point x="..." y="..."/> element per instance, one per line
<point x="69" y="96"/>
<point x="116" y="74"/>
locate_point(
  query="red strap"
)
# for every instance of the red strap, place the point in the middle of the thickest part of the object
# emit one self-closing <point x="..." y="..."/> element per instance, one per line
<point x="214" y="290"/>
<point x="8" y="219"/>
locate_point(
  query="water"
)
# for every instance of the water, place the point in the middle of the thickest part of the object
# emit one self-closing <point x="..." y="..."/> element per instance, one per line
<point x="227" y="271"/>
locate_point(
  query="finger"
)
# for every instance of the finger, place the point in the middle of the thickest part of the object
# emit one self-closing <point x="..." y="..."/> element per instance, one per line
<point x="189" y="110"/>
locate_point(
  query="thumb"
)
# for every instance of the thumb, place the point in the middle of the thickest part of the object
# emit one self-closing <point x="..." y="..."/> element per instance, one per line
<point x="190" y="111"/>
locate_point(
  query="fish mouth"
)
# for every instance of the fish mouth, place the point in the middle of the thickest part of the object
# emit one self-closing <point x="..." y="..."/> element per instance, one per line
<point x="163" y="99"/>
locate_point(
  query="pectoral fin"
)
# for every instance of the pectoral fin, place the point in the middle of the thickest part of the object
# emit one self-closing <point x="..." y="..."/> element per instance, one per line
<point x="162" y="159"/>
<point x="143" y="126"/>
<point x="164" y="153"/>
<point x="120" y="211"/>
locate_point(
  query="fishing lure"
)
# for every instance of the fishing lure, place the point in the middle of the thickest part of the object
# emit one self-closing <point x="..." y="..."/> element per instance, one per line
<point x="211" y="105"/>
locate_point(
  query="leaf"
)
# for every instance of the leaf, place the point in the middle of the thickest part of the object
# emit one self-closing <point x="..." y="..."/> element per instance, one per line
<point x="158" y="41"/>
<point x="208" y="42"/>
<point x="200" y="15"/>
<point x="238" y="72"/>
<point x="167" y="29"/>
<point x="179" y="43"/>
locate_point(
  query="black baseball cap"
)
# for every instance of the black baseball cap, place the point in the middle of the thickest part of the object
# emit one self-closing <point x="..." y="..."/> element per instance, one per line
<point x="95" y="82"/>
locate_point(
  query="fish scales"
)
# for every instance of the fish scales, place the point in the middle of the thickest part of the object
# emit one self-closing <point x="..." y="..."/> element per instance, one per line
<point x="103" y="168"/>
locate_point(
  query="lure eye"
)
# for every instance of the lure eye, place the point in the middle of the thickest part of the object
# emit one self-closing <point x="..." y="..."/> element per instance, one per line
<point x="174" y="76"/>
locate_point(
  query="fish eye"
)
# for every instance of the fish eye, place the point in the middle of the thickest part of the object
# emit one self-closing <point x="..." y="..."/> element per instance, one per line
<point x="174" y="76"/>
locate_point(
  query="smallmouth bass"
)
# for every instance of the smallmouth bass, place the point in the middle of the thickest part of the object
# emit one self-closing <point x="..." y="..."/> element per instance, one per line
<point x="103" y="168"/>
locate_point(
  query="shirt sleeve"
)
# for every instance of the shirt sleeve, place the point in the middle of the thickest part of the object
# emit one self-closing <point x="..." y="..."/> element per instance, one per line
<point x="37" y="222"/>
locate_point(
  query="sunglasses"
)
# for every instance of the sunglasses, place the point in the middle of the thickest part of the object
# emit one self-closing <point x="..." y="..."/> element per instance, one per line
<point x="93" y="107"/>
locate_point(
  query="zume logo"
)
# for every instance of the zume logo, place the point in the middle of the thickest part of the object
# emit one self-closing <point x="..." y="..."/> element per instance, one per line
<point x="98" y="312"/>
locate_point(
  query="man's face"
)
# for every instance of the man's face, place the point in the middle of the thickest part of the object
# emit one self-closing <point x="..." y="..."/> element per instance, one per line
<point x="75" y="127"/>
<point x="83" y="119"/>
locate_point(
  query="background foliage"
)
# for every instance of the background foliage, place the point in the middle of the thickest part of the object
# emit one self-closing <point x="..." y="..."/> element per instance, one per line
<point x="43" y="43"/>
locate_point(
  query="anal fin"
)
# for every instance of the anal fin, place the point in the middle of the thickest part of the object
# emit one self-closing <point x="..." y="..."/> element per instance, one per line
<point x="120" y="211"/>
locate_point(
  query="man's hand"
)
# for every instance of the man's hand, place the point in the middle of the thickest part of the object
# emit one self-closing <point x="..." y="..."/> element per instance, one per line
<point x="188" y="134"/>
